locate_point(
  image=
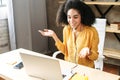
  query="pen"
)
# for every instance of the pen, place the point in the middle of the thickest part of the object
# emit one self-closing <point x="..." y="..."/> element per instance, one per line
<point x="73" y="68"/>
<point x="72" y="76"/>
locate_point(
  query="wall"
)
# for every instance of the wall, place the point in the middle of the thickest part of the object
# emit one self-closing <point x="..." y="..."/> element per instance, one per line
<point x="52" y="7"/>
<point x="29" y="17"/>
<point x="38" y="19"/>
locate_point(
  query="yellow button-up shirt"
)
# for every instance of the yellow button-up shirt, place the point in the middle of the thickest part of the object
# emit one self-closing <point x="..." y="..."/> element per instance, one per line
<point x="88" y="37"/>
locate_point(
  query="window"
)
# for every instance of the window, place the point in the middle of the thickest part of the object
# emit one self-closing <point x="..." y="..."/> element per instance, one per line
<point x="3" y="2"/>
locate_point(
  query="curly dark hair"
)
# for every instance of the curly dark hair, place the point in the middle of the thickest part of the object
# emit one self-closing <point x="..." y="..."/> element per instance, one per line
<point x="87" y="15"/>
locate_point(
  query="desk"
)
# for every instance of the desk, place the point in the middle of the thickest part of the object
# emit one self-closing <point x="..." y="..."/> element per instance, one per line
<point x="9" y="73"/>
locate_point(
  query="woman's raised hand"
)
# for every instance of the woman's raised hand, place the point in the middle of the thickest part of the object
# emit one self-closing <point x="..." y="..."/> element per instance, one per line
<point x="47" y="32"/>
<point x="84" y="52"/>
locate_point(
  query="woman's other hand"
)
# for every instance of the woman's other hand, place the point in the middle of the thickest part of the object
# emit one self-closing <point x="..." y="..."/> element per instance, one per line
<point x="84" y="52"/>
<point x="47" y="32"/>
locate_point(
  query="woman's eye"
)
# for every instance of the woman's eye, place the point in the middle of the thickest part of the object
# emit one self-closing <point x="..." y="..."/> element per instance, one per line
<point x="69" y="17"/>
<point x="75" y="17"/>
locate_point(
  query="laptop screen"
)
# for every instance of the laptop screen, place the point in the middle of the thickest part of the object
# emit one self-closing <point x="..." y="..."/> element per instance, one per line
<point x="41" y="66"/>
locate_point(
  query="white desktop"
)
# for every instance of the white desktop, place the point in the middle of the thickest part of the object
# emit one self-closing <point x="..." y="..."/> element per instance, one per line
<point x="9" y="59"/>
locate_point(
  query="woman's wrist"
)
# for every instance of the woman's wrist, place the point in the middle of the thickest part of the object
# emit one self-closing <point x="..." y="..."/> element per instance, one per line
<point x="54" y="36"/>
<point x="89" y="53"/>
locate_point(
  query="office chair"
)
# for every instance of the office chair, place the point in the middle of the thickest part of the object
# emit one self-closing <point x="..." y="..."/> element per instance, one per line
<point x="100" y="25"/>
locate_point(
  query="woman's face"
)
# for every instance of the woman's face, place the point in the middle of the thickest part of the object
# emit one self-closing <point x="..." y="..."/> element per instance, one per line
<point x="73" y="18"/>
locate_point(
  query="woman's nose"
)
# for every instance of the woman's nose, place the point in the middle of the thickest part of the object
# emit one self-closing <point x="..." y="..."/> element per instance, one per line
<point x="72" y="20"/>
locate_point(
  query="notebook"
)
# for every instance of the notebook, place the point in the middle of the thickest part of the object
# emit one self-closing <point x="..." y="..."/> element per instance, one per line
<point x="41" y="66"/>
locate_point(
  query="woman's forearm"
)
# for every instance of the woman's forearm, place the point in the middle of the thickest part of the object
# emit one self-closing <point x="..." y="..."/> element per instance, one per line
<point x="55" y="37"/>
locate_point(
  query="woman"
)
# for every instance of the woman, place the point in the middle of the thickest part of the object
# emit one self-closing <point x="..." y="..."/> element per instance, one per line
<point x="80" y="39"/>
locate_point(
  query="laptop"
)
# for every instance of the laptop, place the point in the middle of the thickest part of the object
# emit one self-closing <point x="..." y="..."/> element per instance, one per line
<point x="41" y="66"/>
